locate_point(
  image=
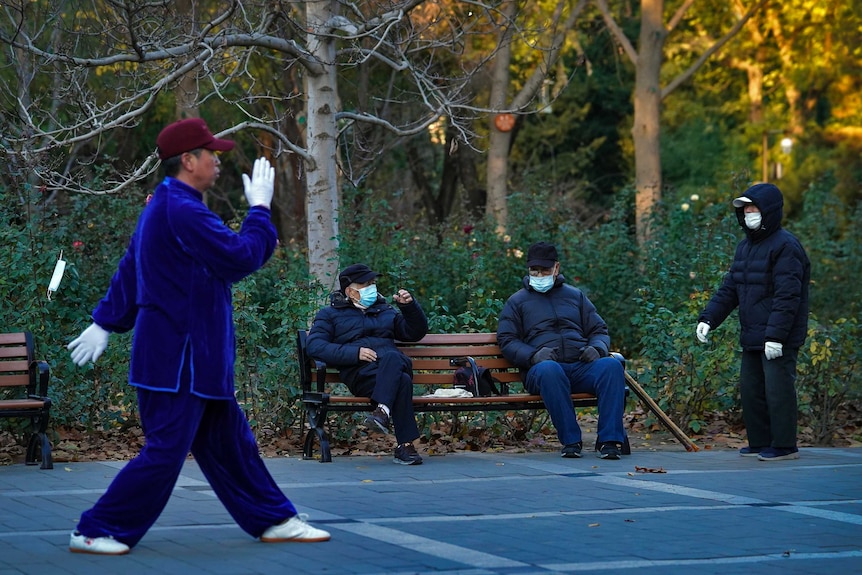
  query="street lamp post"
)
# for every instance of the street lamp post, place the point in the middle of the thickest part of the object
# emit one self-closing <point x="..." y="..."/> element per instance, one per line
<point x="786" y="148"/>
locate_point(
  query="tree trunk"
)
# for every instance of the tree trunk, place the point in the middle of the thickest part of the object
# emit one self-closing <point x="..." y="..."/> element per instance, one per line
<point x="323" y="196"/>
<point x="289" y="203"/>
<point x="500" y="141"/>
<point x="646" y="131"/>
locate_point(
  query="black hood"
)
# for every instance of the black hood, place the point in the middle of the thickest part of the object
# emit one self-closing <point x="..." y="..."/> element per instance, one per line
<point x="769" y="200"/>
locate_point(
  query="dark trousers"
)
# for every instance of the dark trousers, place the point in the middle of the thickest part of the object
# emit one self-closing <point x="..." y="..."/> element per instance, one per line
<point x="389" y="381"/>
<point x="604" y="378"/>
<point x="768" y="393"/>
<point x="219" y="437"/>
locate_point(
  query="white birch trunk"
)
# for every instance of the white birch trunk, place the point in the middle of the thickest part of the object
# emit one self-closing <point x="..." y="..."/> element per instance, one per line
<point x="322" y="203"/>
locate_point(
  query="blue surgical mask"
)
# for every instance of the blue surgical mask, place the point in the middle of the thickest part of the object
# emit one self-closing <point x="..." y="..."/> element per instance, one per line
<point x="753" y="220"/>
<point x="368" y="295"/>
<point x="542" y="283"/>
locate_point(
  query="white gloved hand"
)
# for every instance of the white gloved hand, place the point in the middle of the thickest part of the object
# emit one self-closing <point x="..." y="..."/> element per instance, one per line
<point x="701" y="331"/>
<point x="260" y="187"/>
<point x="773" y="349"/>
<point x="89" y="345"/>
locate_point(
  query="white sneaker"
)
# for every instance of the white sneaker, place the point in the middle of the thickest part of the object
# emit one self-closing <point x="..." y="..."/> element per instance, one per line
<point x="296" y="530"/>
<point x="96" y="545"/>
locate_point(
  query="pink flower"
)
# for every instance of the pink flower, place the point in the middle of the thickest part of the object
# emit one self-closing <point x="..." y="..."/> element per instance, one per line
<point x="77" y="244"/>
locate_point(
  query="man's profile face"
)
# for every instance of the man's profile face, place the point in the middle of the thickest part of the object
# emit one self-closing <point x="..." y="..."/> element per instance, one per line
<point x="202" y="167"/>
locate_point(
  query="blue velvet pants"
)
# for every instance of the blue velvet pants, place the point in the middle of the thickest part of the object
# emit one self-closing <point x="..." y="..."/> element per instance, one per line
<point x="604" y="378"/>
<point x="217" y="434"/>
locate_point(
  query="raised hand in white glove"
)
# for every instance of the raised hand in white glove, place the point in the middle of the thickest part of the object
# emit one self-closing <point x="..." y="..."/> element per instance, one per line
<point x="773" y="349"/>
<point x="260" y="187"/>
<point x="89" y="345"/>
<point x="701" y="331"/>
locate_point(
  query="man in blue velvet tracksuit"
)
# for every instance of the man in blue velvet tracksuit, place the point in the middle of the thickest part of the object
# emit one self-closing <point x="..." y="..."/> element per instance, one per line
<point x="768" y="281"/>
<point x="173" y="286"/>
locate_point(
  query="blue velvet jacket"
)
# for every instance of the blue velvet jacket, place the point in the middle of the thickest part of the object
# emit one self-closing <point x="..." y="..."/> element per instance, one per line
<point x="173" y="286"/>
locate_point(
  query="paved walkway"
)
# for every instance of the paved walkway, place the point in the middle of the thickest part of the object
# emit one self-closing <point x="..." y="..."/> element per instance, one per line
<point x="474" y="514"/>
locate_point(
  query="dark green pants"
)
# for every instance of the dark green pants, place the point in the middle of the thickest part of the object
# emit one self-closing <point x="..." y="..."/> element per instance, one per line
<point x="768" y="392"/>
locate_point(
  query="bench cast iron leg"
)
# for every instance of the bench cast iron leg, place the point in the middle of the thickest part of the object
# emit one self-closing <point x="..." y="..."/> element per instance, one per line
<point x="317" y="421"/>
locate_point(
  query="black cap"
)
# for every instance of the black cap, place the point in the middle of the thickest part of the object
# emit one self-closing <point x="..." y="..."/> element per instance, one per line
<point x="542" y="255"/>
<point x="355" y="274"/>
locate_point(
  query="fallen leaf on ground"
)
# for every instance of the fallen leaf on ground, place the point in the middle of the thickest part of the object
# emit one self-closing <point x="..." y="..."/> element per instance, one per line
<point x="649" y="469"/>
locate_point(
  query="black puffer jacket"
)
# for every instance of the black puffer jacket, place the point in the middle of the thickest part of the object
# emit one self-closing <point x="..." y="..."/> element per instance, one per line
<point x="339" y="330"/>
<point x="563" y="317"/>
<point x="768" y="279"/>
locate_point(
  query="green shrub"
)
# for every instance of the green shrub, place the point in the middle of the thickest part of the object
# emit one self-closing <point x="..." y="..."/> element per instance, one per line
<point x="649" y="295"/>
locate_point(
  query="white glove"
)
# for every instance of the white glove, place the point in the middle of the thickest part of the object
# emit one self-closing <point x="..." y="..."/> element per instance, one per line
<point x="701" y="331"/>
<point x="773" y="349"/>
<point x="89" y="345"/>
<point x="260" y="187"/>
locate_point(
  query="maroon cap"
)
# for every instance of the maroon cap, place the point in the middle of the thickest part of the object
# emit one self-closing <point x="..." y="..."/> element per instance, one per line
<point x="187" y="135"/>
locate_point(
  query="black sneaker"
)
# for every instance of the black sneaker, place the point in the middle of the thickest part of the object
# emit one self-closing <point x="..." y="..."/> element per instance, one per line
<point x="379" y="419"/>
<point x="750" y="451"/>
<point x="609" y="450"/>
<point x="405" y="454"/>
<point x="778" y="453"/>
<point x="572" y="450"/>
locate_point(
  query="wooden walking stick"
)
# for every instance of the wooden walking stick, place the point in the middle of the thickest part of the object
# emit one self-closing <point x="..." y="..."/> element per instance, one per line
<point x="653" y="406"/>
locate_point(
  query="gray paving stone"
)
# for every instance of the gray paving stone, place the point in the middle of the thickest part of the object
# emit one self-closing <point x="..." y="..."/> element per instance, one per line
<point x="476" y="514"/>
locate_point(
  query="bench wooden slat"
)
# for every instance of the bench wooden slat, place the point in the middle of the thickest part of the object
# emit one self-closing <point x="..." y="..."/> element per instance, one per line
<point x="451" y="351"/>
<point x="452" y="338"/>
<point x="9" y="404"/>
<point x="494" y="399"/>
<point x="13" y="338"/>
<point x="14" y="365"/>
<point x="16" y="351"/>
<point x="17" y="380"/>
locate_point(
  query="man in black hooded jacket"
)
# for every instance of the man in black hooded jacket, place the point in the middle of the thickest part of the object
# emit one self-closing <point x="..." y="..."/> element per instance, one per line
<point x="768" y="281"/>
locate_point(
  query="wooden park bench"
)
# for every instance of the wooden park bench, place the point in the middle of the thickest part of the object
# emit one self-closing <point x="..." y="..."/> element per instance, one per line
<point x="23" y="393"/>
<point x="435" y="359"/>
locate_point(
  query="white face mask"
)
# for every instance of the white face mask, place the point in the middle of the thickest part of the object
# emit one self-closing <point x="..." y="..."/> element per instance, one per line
<point x="542" y="283"/>
<point x="753" y="220"/>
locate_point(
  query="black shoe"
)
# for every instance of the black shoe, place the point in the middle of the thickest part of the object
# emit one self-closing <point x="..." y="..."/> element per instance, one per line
<point x="572" y="450"/>
<point x="778" y="453"/>
<point x="405" y="454"/>
<point x="609" y="450"/>
<point x="379" y="419"/>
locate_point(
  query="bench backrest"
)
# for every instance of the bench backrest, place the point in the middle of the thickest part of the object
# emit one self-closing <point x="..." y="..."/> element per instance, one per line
<point x="432" y="358"/>
<point x="16" y="365"/>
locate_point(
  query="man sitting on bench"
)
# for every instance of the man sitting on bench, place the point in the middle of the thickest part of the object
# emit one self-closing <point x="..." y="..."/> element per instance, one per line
<point x="356" y="333"/>
<point x="552" y="331"/>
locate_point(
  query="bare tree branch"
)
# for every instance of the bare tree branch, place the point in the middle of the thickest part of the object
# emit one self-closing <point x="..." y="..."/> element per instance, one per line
<point x="617" y="32"/>
<point x="718" y="45"/>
